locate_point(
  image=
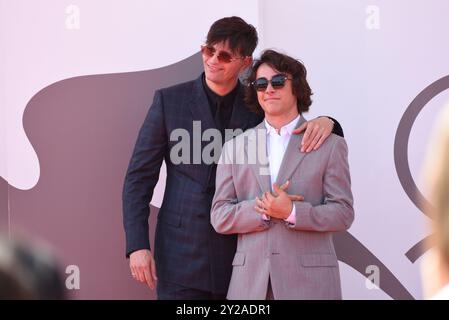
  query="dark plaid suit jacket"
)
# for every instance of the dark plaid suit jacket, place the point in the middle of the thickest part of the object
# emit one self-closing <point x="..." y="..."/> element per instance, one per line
<point x="187" y="249"/>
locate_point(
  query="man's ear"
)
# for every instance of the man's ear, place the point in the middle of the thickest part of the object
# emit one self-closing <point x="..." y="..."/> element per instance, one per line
<point x="248" y="62"/>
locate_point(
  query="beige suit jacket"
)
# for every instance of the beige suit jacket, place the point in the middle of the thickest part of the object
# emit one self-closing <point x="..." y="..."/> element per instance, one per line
<point x="299" y="259"/>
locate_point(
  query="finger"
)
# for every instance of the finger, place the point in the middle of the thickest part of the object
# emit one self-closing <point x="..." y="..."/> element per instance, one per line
<point x="260" y="207"/>
<point x="306" y="141"/>
<point x="296" y="198"/>
<point x="320" y="142"/>
<point x="140" y="275"/>
<point x="329" y="126"/>
<point x="153" y="268"/>
<point x="300" y="129"/>
<point x="149" y="278"/>
<point x="314" y="142"/>
<point x="265" y="202"/>
<point x="307" y="133"/>
<point x="264" y="198"/>
<point x="269" y="197"/>
<point x="259" y="203"/>
<point x="285" y="185"/>
<point x="133" y="272"/>
<point x="260" y="210"/>
<point x="277" y="189"/>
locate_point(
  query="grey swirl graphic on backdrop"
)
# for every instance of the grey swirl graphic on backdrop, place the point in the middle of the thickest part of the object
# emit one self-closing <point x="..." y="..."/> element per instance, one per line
<point x="401" y="154"/>
<point x="83" y="130"/>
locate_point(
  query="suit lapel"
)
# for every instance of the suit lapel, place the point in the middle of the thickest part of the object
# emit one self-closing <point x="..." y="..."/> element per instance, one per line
<point x="199" y="106"/>
<point x="258" y="139"/>
<point x="292" y="157"/>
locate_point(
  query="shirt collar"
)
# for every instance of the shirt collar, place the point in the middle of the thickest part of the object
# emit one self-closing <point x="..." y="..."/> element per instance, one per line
<point x="287" y="129"/>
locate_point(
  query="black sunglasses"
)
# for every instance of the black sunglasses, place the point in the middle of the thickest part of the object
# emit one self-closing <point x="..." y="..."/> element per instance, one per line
<point x="277" y="82"/>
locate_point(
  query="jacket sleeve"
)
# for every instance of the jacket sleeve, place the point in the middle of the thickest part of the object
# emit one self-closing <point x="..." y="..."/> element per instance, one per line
<point x="142" y="176"/>
<point x="336" y="213"/>
<point x="337" y="129"/>
<point x="228" y="215"/>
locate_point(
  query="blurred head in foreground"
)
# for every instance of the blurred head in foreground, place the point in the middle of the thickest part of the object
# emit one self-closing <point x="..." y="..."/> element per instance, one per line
<point x="435" y="266"/>
<point x="28" y="271"/>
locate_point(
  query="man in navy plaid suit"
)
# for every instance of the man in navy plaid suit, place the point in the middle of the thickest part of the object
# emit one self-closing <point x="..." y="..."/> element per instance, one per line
<point x="191" y="259"/>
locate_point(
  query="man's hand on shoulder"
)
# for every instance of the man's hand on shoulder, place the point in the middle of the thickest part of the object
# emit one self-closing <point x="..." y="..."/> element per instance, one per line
<point x="316" y="131"/>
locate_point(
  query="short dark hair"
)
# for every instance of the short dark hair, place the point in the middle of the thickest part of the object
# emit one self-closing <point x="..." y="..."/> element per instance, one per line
<point x="241" y="36"/>
<point x="283" y="64"/>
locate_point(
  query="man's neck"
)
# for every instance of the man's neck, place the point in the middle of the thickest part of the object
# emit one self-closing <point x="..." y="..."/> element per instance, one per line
<point x="278" y="122"/>
<point x="221" y="89"/>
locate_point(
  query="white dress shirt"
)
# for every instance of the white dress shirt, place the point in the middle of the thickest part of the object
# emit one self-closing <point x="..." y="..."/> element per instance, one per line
<point x="276" y="145"/>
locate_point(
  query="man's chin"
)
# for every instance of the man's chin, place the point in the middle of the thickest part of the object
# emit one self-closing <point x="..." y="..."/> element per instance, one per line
<point x="213" y="77"/>
<point x="212" y="73"/>
<point x="272" y="111"/>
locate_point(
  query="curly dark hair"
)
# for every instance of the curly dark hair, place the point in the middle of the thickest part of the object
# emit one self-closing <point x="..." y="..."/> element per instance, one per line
<point x="241" y="36"/>
<point x="283" y="64"/>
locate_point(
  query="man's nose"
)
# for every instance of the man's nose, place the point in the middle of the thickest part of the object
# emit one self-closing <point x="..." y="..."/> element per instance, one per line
<point x="214" y="59"/>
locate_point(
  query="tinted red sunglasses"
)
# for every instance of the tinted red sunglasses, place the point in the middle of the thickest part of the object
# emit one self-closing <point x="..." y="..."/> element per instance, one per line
<point x="222" y="56"/>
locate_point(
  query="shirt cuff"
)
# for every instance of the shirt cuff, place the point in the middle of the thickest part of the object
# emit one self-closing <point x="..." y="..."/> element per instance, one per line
<point x="292" y="217"/>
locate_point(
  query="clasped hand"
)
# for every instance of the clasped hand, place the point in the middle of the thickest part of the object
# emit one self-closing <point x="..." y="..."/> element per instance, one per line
<point x="277" y="204"/>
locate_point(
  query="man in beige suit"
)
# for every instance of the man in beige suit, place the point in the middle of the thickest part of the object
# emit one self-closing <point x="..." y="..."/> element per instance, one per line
<point x="285" y="248"/>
